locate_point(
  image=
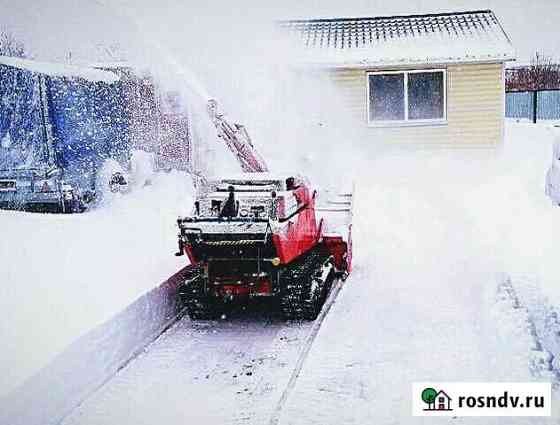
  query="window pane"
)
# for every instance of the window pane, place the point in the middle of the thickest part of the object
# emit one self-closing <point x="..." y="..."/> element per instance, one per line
<point x="386" y="97"/>
<point x="425" y="96"/>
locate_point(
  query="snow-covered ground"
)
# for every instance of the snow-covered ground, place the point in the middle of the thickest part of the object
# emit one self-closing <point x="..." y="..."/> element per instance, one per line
<point x="434" y="234"/>
<point x="62" y="275"/>
<point x="515" y="218"/>
<point x="226" y="372"/>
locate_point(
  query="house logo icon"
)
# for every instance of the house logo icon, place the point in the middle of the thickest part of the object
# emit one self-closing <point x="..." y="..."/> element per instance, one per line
<point x="436" y="401"/>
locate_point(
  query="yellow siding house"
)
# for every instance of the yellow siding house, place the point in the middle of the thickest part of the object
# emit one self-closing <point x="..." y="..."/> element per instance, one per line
<point x="433" y="79"/>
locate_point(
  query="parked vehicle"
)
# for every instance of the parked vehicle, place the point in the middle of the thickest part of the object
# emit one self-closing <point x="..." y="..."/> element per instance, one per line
<point x="58" y="126"/>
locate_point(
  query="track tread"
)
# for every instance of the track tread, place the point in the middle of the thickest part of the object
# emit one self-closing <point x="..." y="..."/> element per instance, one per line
<point x="199" y="305"/>
<point x="297" y="302"/>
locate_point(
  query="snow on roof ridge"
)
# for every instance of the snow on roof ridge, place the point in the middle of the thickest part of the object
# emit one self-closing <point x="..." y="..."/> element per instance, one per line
<point x="452" y="37"/>
<point x="60" y="69"/>
<point x="381" y="17"/>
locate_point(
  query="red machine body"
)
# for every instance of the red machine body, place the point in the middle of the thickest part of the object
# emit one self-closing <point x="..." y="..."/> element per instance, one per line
<point x="252" y="235"/>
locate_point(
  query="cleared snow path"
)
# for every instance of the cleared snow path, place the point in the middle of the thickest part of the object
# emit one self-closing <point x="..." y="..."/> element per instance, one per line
<point x="231" y="371"/>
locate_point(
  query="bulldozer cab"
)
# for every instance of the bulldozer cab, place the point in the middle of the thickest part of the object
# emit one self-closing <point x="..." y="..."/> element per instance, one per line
<point x="248" y="196"/>
<point x="254" y="182"/>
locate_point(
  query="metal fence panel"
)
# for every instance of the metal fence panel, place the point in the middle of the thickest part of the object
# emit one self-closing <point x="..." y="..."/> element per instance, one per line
<point x="548" y="107"/>
<point x="520" y="105"/>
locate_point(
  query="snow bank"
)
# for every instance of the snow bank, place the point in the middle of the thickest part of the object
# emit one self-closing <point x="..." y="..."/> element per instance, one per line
<point x="513" y="213"/>
<point x="432" y="232"/>
<point x="93" y="358"/>
<point x="64" y="275"/>
<point x="60" y="70"/>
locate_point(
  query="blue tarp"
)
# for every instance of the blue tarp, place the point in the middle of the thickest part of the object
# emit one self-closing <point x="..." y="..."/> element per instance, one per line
<point x="22" y="135"/>
<point x="90" y="124"/>
<point x="66" y="122"/>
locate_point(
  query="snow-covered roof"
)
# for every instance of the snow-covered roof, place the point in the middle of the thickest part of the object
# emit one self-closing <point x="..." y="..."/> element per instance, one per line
<point x="60" y="70"/>
<point x="458" y="37"/>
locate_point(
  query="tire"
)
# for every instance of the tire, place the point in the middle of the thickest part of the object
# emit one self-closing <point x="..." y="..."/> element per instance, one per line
<point x="72" y="206"/>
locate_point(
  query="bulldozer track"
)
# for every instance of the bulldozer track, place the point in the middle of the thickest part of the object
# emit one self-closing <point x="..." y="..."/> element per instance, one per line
<point x="297" y="302"/>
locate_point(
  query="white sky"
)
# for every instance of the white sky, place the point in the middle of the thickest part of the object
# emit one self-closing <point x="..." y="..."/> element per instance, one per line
<point x="52" y="28"/>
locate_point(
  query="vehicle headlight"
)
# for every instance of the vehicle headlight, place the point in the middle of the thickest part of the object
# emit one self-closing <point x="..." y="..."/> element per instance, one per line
<point x="243" y="213"/>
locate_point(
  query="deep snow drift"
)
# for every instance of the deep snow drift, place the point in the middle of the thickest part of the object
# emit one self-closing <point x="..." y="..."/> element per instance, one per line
<point x="433" y="234"/>
<point x="62" y="275"/>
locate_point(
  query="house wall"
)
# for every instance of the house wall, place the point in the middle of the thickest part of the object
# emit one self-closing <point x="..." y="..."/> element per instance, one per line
<point x="475" y="108"/>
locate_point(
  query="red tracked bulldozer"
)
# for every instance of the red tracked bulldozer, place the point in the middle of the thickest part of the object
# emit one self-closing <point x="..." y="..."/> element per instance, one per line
<point x="262" y="235"/>
<point x="259" y="235"/>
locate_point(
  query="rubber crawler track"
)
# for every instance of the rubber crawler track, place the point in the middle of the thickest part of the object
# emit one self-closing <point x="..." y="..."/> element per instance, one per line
<point x="297" y="301"/>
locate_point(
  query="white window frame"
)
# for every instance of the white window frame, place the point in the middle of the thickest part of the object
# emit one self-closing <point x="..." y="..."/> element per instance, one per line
<point x="406" y="122"/>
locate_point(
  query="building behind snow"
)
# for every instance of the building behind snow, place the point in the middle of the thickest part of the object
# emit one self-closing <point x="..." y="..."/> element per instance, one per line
<point x="435" y="79"/>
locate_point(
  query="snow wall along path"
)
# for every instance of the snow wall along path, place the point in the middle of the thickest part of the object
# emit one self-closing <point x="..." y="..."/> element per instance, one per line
<point x="51" y="394"/>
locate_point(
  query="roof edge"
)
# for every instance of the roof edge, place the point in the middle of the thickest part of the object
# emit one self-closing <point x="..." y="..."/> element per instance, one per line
<point x="365" y="65"/>
<point x="375" y="18"/>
